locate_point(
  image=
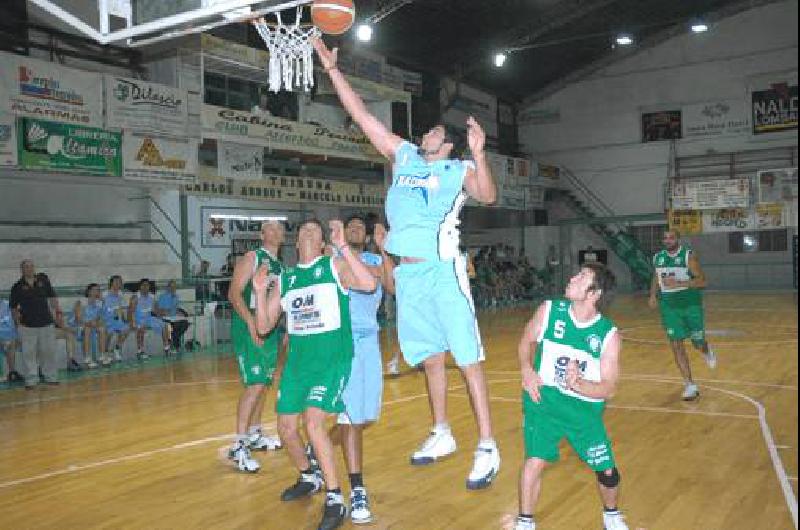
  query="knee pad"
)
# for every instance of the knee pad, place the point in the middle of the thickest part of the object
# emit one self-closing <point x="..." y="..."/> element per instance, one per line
<point x="609" y="480"/>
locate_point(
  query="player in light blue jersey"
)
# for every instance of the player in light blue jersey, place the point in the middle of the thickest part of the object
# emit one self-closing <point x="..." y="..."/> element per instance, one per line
<point x="115" y="317"/>
<point x="435" y="312"/>
<point x="142" y="316"/>
<point x="362" y="395"/>
<point x="9" y="340"/>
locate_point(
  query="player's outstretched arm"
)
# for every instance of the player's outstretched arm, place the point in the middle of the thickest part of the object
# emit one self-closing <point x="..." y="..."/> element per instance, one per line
<point x="268" y="309"/>
<point x="387" y="263"/>
<point x="352" y="272"/>
<point x="609" y="373"/>
<point x="479" y="182"/>
<point x="530" y="337"/>
<point x="382" y="138"/>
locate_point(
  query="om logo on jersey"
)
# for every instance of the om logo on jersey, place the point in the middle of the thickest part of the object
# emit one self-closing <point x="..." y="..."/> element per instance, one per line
<point x="318" y="273"/>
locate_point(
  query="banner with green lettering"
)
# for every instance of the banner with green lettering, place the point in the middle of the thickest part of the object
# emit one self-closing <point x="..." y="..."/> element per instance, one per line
<point x="53" y="146"/>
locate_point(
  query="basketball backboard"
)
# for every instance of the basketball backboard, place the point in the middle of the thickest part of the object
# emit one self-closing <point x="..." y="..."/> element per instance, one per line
<point x="137" y="23"/>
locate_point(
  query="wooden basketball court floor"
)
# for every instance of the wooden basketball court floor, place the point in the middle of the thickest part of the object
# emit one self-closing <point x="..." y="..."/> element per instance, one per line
<point x="141" y="448"/>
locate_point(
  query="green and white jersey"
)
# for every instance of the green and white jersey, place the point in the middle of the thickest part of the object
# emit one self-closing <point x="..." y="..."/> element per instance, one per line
<point x="317" y="313"/>
<point x="668" y="265"/>
<point x="275" y="268"/>
<point x="562" y="340"/>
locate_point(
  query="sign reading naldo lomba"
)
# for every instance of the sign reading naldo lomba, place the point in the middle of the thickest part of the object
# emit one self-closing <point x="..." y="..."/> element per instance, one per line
<point x="775" y="109"/>
<point x="137" y="105"/>
<point x="51" y="146"/>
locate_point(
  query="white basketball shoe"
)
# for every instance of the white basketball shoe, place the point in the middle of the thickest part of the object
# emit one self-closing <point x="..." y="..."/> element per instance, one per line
<point x="711" y="358"/>
<point x="614" y="521"/>
<point x="485" y="467"/>
<point x="690" y="392"/>
<point x="240" y="454"/>
<point x="260" y="442"/>
<point x="438" y="445"/>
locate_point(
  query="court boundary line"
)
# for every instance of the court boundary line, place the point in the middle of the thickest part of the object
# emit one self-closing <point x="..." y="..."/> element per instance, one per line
<point x="144" y="454"/>
<point x="665" y="410"/>
<point x="766" y="432"/>
<point x="642" y="377"/>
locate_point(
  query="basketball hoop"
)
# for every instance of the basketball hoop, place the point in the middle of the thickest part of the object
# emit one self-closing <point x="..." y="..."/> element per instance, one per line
<point x="291" y="61"/>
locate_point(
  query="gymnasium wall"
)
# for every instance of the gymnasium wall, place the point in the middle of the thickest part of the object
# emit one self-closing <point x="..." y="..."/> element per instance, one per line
<point x="595" y="126"/>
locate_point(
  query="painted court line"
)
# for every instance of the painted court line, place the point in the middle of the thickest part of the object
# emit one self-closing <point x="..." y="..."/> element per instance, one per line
<point x="645" y="409"/>
<point x="145" y="454"/>
<point x="766" y="432"/>
<point x="637" y="377"/>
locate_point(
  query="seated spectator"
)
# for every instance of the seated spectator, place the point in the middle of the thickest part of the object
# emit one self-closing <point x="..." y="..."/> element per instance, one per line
<point x="142" y="316"/>
<point x="168" y="309"/>
<point x="9" y="340"/>
<point x="94" y="327"/>
<point x="115" y="319"/>
<point x="68" y="328"/>
<point x="201" y="291"/>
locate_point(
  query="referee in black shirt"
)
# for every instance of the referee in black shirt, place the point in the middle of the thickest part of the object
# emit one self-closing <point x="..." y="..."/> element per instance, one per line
<point x="34" y="302"/>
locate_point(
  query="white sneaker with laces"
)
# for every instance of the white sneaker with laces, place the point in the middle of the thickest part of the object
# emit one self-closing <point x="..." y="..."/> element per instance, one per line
<point x="690" y="392"/>
<point x="359" y="506"/>
<point x="614" y="521"/>
<point x="259" y="442"/>
<point x="485" y="467"/>
<point x="90" y="363"/>
<point x="240" y="453"/>
<point x="711" y="359"/>
<point x="439" y="444"/>
<point x="524" y="524"/>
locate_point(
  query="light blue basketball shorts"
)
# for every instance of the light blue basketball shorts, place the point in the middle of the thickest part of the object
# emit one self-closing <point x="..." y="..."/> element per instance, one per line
<point x="435" y="312"/>
<point x="150" y="322"/>
<point x="364" y="390"/>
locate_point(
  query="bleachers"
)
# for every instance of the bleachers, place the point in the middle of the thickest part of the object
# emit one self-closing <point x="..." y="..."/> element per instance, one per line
<point x="68" y="231"/>
<point x="77" y="263"/>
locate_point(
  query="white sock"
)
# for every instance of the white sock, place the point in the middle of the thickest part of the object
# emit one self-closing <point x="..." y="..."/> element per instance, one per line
<point x="487" y="443"/>
<point x="442" y="427"/>
<point x="254" y="429"/>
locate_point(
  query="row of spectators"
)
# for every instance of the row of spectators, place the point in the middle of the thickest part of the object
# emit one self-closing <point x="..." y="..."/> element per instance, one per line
<point x="32" y="319"/>
<point x="503" y="276"/>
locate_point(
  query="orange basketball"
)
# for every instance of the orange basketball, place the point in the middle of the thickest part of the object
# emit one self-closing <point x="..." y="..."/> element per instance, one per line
<point x="333" y="17"/>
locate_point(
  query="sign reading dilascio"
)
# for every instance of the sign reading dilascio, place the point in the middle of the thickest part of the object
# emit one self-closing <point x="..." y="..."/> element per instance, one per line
<point x="137" y="105"/>
<point x="46" y="145"/>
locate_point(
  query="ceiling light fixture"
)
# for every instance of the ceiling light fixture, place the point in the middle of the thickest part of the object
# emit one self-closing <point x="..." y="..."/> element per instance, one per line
<point x="624" y="40"/>
<point x="500" y="59"/>
<point x="699" y="27"/>
<point x="364" y="33"/>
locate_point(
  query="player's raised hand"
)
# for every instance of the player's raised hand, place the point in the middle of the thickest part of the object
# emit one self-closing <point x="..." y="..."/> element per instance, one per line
<point x="379" y="234"/>
<point x="337" y="233"/>
<point x="261" y="279"/>
<point x="573" y="375"/>
<point x="326" y="56"/>
<point x="476" y="137"/>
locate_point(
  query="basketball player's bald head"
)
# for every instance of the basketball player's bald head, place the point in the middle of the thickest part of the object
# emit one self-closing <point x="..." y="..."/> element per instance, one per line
<point x="272" y="233"/>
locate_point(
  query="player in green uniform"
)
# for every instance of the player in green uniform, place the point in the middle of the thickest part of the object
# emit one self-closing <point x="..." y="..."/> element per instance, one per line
<point x="315" y="297"/>
<point x="257" y="358"/>
<point x="676" y="291"/>
<point x="575" y="370"/>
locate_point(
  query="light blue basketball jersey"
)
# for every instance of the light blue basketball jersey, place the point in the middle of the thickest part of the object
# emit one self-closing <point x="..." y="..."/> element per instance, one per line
<point x="7" y="325"/>
<point x="423" y="205"/>
<point x="364" y="306"/>
<point x="93" y="310"/>
<point x="112" y="302"/>
<point x="169" y="303"/>
<point x="144" y="305"/>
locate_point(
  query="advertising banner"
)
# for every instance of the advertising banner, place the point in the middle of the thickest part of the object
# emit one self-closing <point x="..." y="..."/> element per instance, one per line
<point x="161" y="159"/>
<point x="711" y="194"/>
<point x="132" y="104"/>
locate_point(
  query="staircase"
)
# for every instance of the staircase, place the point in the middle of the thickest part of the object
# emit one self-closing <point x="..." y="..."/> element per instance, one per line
<point x="615" y="233"/>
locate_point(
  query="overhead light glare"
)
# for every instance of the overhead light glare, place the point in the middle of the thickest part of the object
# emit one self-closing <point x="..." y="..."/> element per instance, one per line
<point x="699" y="27"/>
<point x="624" y="40"/>
<point x="500" y="59"/>
<point x="364" y="33"/>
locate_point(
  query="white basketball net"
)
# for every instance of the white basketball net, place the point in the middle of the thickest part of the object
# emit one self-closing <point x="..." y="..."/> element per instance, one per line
<point x="291" y="61"/>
